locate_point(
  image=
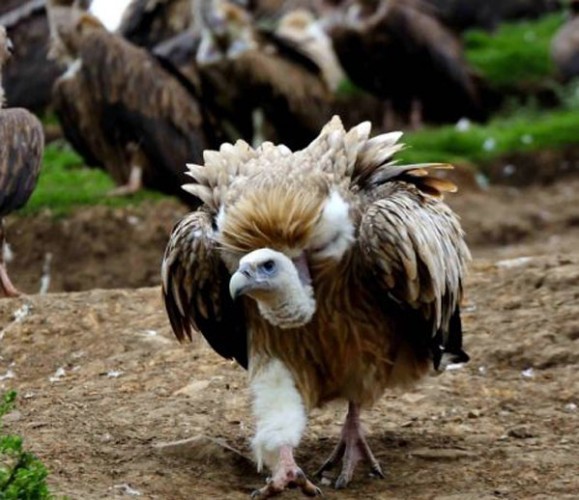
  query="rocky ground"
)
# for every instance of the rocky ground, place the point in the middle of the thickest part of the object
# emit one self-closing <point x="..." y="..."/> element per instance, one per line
<point x="103" y="386"/>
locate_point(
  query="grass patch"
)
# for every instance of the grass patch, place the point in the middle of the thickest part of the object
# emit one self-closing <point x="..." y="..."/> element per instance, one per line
<point x="65" y="184"/>
<point x="517" y="55"/>
<point x="525" y="131"/>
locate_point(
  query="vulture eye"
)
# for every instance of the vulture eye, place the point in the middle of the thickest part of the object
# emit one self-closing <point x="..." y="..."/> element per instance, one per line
<point x="269" y="266"/>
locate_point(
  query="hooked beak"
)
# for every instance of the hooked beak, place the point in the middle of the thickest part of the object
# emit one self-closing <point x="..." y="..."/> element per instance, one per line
<point x="241" y="282"/>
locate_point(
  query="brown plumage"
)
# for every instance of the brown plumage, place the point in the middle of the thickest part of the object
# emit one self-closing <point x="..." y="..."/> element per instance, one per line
<point x="22" y="142"/>
<point x="347" y="269"/>
<point x="147" y="23"/>
<point x="565" y="45"/>
<point x="247" y="70"/>
<point x="136" y="119"/>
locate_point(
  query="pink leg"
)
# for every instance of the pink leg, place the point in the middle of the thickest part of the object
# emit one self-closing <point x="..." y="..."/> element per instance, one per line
<point x="286" y="475"/>
<point x="351" y="449"/>
<point x="7" y="289"/>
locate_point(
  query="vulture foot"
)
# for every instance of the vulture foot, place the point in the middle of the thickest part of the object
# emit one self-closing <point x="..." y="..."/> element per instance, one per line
<point x="7" y="289"/>
<point x="352" y="448"/>
<point x="286" y="475"/>
<point x="134" y="185"/>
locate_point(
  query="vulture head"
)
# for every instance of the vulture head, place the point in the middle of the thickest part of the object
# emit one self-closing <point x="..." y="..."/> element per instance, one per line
<point x="227" y="31"/>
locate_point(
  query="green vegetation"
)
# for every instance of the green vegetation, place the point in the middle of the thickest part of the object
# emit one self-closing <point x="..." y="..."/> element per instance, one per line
<point x="525" y="131"/>
<point x="65" y="183"/>
<point x="22" y="475"/>
<point x="517" y="55"/>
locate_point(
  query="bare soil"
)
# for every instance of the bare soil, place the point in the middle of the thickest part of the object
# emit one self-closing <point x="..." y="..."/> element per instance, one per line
<point x="103" y="385"/>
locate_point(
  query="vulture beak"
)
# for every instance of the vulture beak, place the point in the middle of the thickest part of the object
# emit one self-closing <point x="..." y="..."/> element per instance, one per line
<point x="9" y="46"/>
<point x="242" y="281"/>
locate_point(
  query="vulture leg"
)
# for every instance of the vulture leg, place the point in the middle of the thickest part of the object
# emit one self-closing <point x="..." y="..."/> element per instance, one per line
<point x="416" y="122"/>
<point x="286" y="474"/>
<point x="7" y="289"/>
<point x="351" y="449"/>
<point x="134" y="184"/>
<point x="388" y="122"/>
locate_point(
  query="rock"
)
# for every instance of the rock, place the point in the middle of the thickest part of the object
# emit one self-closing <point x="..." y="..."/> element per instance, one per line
<point x="201" y="448"/>
<point x="442" y="454"/>
<point x="520" y="432"/>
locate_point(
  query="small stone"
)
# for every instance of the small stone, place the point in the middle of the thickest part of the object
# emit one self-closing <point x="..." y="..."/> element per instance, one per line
<point x="474" y="414"/>
<point x="521" y="432"/>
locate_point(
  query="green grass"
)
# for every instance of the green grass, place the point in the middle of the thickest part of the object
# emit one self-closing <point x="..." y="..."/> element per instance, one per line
<point x="525" y="131"/>
<point x="517" y="55"/>
<point x="65" y="184"/>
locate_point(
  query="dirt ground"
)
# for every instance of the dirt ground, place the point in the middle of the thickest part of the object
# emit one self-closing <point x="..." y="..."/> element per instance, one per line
<point x="103" y="386"/>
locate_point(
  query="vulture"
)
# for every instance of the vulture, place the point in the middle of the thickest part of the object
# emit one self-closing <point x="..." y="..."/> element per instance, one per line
<point x="399" y="52"/>
<point x="22" y="144"/>
<point x="149" y="22"/>
<point x="329" y="273"/>
<point x="262" y="83"/>
<point x="28" y="76"/>
<point x="565" y="45"/>
<point x="122" y="109"/>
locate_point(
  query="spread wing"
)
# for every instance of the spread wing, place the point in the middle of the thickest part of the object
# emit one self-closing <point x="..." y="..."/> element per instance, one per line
<point x="414" y="247"/>
<point x="196" y="289"/>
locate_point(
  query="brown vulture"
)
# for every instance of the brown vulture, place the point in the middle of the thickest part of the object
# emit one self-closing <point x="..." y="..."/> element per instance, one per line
<point x="397" y="51"/>
<point x="565" y="45"/>
<point x="28" y="75"/>
<point x="149" y="22"/>
<point x="261" y="83"/>
<point x="330" y="273"/>
<point x="21" y="147"/>
<point x="131" y="115"/>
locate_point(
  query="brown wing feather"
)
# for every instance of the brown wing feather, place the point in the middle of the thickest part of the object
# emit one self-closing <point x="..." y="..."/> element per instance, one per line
<point x="22" y="140"/>
<point x="196" y="289"/>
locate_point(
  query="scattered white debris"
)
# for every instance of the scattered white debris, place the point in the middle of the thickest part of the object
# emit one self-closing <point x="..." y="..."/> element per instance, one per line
<point x="469" y="309"/>
<point x="463" y="125"/>
<point x="151" y="333"/>
<point x="489" y="144"/>
<point x="7" y="253"/>
<point x="18" y="317"/>
<point x="7" y="375"/>
<point x="527" y="139"/>
<point x="482" y="180"/>
<point x="45" y="278"/>
<point x="509" y="170"/>
<point x="133" y="220"/>
<point x="58" y="374"/>
<point x="528" y="373"/>
<point x="114" y="374"/>
<point x="28" y="395"/>
<point x="454" y="366"/>
<point x="571" y="407"/>
<point x="128" y="490"/>
<point x="482" y="370"/>
<point x="512" y="263"/>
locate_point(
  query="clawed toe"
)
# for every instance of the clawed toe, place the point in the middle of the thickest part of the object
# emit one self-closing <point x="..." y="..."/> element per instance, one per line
<point x="274" y="487"/>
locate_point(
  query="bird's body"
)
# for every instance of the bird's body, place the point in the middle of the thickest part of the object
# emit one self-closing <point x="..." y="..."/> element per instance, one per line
<point x="21" y="147"/>
<point x="348" y="271"/>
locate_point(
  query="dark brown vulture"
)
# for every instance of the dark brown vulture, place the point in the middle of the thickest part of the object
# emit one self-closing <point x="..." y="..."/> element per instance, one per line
<point x="565" y="45"/>
<point x="331" y="273"/>
<point x="133" y="117"/>
<point x="252" y="75"/>
<point x="149" y="22"/>
<point x="21" y="147"/>
<point x="28" y="76"/>
<point x="402" y="54"/>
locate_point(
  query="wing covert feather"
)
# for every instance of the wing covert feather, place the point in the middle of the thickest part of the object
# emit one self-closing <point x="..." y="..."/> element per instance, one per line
<point x="196" y="289"/>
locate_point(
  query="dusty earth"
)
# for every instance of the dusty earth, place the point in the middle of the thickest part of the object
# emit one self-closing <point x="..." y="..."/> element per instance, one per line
<point x="103" y="386"/>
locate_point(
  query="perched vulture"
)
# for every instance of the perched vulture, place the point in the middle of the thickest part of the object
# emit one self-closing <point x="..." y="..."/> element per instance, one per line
<point x="21" y="146"/>
<point x="262" y="83"/>
<point x="565" y="45"/>
<point x="131" y="115"/>
<point x="397" y="51"/>
<point x="329" y="273"/>
<point x="149" y="22"/>
<point x="28" y="75"/>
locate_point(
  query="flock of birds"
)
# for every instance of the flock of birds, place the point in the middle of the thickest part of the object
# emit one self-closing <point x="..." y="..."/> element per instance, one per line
<point x="315" y="260"/>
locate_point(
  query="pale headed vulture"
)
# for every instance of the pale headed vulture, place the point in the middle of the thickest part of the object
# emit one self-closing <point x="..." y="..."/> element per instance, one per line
<point x="149" y="121"/>
<point x="262" y="83"/>
<point x="401" y="53"/>
<point x="565" y="45"/>
<point x="21" y="147"/>
<point x="329" y="273"/>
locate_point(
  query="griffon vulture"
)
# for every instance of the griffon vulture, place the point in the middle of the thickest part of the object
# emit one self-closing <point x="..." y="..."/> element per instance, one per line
<point x="21" y="147"/>
<point x="149" y="121"/>
<point x="329" y="273"/>
<point x="249" y="72"/>
<point x="397" y="51"/>
<point x="565" y="45"/>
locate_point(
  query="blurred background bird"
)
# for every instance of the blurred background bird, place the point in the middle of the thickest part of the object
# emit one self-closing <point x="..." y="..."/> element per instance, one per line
<point x="22" y="142"/>
<point x="565" y="45"/>
<point x="331" y="273"/>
